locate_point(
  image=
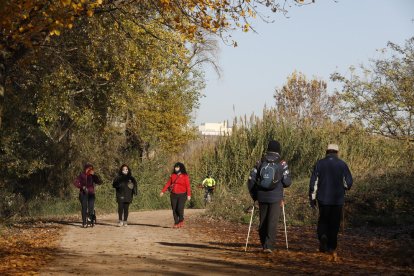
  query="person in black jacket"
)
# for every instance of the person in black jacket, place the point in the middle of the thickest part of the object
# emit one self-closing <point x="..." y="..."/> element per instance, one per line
<point x="330" y="178"/>
<point x="270" y="200"/>
<point x="126" y="187"/>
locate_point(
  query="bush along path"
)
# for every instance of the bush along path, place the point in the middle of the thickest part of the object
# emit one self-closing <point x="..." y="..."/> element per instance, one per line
<point x="149" y="245"/>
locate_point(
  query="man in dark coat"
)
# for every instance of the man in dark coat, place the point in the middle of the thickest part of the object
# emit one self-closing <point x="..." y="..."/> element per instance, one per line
<point x="330" y="178"/>
<point x="270" y="199"/>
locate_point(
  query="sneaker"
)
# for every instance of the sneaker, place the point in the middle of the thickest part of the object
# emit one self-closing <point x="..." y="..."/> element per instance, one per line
<point x="176" y="225"/>
<point x="84" y="225"/>
<point x="181" y="224"/>
<point x="120" y="223"/>
<point x="125" y="223"/>
<point x="334" y="256"/>
<point x="267" y="250"/>
<point x="323" y="244"/>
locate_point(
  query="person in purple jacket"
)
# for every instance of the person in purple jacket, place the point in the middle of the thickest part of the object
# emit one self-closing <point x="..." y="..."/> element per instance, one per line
<point x="85" y="182"/>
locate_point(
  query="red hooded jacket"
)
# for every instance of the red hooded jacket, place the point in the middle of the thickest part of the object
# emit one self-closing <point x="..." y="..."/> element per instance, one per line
<point x="180" y="182"/>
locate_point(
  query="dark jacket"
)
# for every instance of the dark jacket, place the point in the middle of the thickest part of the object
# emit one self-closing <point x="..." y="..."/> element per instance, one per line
<point x="126" y="187"/>
<point x="85" y="183"/>
<point x="276" y="194"/>
<point x="330" y="178"/>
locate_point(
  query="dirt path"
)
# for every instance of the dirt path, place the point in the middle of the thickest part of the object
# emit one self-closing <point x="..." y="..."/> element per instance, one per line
<point x="147" y="245"/>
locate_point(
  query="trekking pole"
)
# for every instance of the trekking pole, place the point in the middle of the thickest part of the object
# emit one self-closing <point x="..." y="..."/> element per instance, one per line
<point x="284" y="220"/>
<point x="250" y="225"/>
<point x="343" y="218"/>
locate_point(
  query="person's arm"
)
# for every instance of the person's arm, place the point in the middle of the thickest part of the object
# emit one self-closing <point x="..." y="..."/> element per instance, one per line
<point x="96" y="179"/>
<point x="77" y="182"/>
<point x="166" y="186"/>
<point x="116" y="183"/>
<point x="214" y="182"/>
<point x="187" y="184"/>
<point x="286" y="179"/>
<point x="251" y="182"/>
<point x="204" y="182"/>
<point x="348" y="181"/>
<point x="313" y="186"/>
<point x="134" y="181"/>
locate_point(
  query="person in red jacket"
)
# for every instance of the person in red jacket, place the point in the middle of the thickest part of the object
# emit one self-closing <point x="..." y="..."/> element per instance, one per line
<point x="85" y="182"/>
<point x="179" y="187"/>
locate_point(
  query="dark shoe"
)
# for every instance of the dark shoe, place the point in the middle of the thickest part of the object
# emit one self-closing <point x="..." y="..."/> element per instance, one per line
<point x="323" y="244"/>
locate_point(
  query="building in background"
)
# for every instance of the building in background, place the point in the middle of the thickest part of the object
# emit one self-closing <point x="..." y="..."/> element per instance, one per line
<point x="214" y="129"/>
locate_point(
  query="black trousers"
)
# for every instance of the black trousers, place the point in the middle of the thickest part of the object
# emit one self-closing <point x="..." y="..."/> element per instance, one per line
<point x="123" y="208"/>
<point x="88" y="204"/>
<point x="208" y="190"/>
<point x="328" y="223"/>
<point x="269" y="218"/>
<point x="177" y="205"/>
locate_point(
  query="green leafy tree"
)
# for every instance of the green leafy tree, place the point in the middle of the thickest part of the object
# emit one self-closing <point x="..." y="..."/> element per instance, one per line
<point x="99" y="93"/>
<point x="26" y="24"/>
<point x="381" y="97"/>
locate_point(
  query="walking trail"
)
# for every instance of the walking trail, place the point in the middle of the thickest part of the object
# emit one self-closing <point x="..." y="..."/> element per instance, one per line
<point x="148" y="245"/>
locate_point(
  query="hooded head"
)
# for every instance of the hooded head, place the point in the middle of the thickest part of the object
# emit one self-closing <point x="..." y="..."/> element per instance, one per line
<point x="87" y="168"/>
<point x="274" y="146"/>
<point x="179" y="168"/>
<point x="124" y="170"/>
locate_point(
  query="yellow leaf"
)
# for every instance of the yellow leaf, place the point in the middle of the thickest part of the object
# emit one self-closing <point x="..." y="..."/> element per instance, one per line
<point x="65" y="2"/>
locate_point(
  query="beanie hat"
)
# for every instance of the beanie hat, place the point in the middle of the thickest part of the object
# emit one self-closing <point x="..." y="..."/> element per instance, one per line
<point x="274" y="146"/>
<point x="87" y="165"/>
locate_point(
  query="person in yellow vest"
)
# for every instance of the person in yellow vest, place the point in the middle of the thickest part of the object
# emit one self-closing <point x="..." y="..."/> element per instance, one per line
<point x="209" y="184"/>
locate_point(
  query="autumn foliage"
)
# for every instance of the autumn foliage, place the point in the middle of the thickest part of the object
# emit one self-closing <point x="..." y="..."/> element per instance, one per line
<point x="26" y="247"/>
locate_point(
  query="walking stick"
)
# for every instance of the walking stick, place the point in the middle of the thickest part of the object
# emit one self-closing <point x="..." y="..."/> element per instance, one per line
<point x="343" y="218"/>
<point x="284" y="220"/>
<point x="250" y="225"/>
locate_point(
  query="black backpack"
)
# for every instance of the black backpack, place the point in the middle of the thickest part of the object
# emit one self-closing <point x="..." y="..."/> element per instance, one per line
<point x="270" y="175"/>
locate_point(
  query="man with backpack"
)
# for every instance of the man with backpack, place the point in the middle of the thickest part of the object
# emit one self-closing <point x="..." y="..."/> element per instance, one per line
<point x="330" y="178"/>
<point x="266" y="183"/>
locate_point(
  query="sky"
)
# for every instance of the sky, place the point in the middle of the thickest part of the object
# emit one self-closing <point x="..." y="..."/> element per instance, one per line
<point x="317" y="40"/>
